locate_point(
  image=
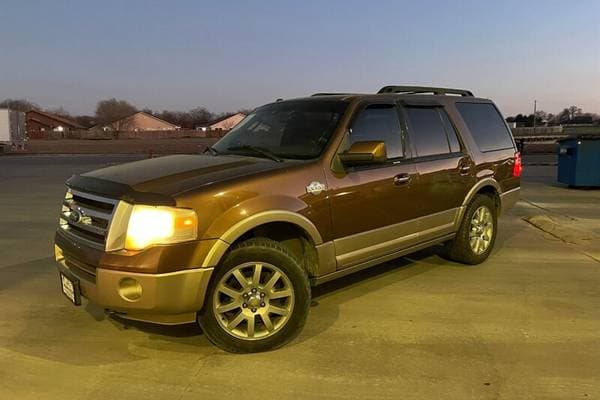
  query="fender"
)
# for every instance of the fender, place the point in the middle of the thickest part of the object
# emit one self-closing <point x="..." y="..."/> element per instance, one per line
<point x="484" y="182"/>
<point x="236" y="231"/>
<point x="471" y="193"/>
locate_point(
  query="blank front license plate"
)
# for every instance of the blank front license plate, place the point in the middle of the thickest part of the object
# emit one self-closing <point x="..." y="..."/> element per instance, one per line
<point x="70" y="288"/>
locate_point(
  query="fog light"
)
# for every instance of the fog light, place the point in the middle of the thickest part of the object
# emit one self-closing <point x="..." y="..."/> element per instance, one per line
<point x="130" y="289"/>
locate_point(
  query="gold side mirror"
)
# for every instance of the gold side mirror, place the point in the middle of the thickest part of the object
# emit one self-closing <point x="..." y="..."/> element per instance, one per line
<point x="361" y="153"/>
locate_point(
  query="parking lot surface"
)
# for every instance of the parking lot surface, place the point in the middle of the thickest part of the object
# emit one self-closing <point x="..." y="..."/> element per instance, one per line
<point x="523" y="325"/>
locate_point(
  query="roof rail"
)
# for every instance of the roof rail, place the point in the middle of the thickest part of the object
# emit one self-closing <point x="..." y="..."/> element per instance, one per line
<point x="424" y="89"/>
<point x="329" y="94"/>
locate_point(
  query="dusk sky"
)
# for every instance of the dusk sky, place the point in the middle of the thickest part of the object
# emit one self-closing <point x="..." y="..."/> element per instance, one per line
<point x="230" y="55"/>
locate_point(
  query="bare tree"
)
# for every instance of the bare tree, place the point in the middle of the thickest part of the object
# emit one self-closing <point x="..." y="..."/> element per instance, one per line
<point x="198" y="116"/>
<point x="87" y="121"/>
<point x="19" y="105"/>
<point x="112" y="110"/>
<point x="574" y="111"/>
<point x="60" y="111"/>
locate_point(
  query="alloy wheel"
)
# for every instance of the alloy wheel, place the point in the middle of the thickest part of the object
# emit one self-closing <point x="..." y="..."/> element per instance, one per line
<point x="253" y="301"/>
<point x="481" y="230"/>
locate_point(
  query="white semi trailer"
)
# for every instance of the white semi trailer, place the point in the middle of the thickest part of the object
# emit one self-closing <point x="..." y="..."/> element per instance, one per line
<point x="12" y="130"/>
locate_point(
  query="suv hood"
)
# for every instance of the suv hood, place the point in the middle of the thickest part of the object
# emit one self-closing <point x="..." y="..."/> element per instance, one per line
<point x="156" y="180"/>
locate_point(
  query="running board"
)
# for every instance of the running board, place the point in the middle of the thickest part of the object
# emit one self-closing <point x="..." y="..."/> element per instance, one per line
<point x="379" y="260"/>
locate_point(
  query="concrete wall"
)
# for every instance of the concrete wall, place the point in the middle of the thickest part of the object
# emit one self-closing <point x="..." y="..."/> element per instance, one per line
<point x="567" y="130"/>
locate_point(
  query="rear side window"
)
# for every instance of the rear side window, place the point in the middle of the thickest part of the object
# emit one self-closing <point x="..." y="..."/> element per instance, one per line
<point x="486" y="125"/>
<point x="452" y="135"/>
<point x="379" y="122"/>
<point x="431" y="132"/>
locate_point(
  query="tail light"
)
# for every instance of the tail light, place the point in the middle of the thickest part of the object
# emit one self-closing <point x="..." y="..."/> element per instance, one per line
<point x="517" y="166"/>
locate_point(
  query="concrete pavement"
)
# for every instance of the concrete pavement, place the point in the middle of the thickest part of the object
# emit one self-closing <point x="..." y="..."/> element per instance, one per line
<point x="523" y="325"/>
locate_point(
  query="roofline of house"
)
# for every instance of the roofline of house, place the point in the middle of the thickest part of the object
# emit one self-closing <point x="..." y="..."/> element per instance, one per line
<point x="58" y="118"/>
<point x="225" y="117"/>
<point x="131" y="115"/>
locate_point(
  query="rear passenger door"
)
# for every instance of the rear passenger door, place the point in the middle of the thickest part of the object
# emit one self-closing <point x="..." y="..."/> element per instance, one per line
<point x="445" y="172"/>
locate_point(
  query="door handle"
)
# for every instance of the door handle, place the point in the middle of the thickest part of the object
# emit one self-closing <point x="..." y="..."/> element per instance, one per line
<point x="464" y="169"/>
<point x="401" y="179"/>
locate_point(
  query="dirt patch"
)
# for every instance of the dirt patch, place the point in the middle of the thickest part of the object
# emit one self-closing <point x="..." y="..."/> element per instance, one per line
<point x="563" y="228"/>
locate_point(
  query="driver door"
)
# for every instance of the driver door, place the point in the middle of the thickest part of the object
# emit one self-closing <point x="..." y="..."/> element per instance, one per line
<point x="373" y="207"/>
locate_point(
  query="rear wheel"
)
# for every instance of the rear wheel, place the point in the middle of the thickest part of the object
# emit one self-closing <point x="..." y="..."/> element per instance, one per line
<point x="258" y="298"/>
<point x="477" y="233"/>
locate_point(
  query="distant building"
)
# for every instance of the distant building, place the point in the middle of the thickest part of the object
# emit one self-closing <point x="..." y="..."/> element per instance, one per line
<point x="139" y="121"/>
<point x="40" y="121"/>
<point x="227" y="122"/>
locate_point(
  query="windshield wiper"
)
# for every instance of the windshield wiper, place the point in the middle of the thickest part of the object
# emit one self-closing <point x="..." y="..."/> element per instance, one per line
<point x="211" y="150"/>
<point x="258" y="150"/>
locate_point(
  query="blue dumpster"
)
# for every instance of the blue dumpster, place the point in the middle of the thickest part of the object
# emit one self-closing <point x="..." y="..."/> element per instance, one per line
<point x="579" y="161"/>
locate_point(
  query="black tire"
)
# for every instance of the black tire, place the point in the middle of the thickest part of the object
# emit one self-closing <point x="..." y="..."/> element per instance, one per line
<point x="459" y="249"/>
<point x="258" y="250"/>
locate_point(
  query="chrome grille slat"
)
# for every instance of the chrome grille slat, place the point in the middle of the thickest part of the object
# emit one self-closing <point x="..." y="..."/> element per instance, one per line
<point x="87" y="217"/>
<point x="92" y="243"/>
<point x="89" y="211"/>
<point x="88" y="227"/>
<point x="94" y="197"/>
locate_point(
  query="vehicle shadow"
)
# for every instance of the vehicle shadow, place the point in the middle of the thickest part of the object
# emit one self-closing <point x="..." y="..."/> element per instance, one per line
<point x="40" y="322"/>
<point x="328" y="297"/>
<point x="322" y="317"/>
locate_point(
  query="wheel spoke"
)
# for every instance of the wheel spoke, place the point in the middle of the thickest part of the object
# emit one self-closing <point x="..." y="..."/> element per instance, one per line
<point x="223" y="308"/>
<point x="280" y="293"/>
<point x="240" y="278"/>
<point x="251" y="324"/>
<point x="477" y="244"/>
<point x="271" y="283"/>
<point x="473" y="241"/>
<point x="234" y="294"/>
<point x="236" y="321"/>
<point x="256" y="276"/>
<point x="267" y="321"/>
<point x="278" y="310"/>
<point x="477" y="216"/>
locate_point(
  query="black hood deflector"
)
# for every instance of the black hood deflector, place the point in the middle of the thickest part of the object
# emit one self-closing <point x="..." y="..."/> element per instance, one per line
<point x="116" y="190"/>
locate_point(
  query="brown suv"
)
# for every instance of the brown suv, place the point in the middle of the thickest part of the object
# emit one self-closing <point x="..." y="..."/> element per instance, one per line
<point x="300" y="192"/>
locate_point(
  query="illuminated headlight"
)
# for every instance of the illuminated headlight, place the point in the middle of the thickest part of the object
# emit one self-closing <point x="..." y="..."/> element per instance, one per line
<point x="149" y="225"/>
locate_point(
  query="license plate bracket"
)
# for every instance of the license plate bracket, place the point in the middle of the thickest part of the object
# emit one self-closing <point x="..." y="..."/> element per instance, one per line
<point x="70" y="288"/>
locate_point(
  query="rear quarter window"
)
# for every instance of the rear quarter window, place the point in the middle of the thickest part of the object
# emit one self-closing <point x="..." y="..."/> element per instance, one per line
<point x="486" y="125"/>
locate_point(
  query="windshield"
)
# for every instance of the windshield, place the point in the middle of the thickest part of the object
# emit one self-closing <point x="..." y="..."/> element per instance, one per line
<point x="291" y="129"/>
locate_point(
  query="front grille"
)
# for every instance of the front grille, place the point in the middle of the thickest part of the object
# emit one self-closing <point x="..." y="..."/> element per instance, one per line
<point x="87" y="217"/>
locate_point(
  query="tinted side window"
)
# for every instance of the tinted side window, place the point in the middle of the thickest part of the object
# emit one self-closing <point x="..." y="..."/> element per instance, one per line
<point x="427" y="131"/>
<point x="486" y="126"/>
<point x="451" y="132"/>
<point x="379" y="122"/>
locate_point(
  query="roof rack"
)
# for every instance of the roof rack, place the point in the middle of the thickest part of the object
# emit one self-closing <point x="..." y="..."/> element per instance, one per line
<point x="424" y="90"/>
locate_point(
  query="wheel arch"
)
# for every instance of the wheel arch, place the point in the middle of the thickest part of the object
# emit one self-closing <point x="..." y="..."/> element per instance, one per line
<point x="281" y="225"/>
<point x="488" y="186"/>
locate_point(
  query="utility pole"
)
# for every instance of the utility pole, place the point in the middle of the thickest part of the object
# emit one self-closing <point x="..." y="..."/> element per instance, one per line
<point x="534" y="116"/>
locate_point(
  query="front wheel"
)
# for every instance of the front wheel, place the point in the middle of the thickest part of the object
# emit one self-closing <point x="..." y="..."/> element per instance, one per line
<point x="258" y="298"/>
<point x="477" y="233"/>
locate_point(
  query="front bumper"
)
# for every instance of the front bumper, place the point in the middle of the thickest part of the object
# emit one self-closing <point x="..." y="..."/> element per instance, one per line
<point x="167" y="298"/>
